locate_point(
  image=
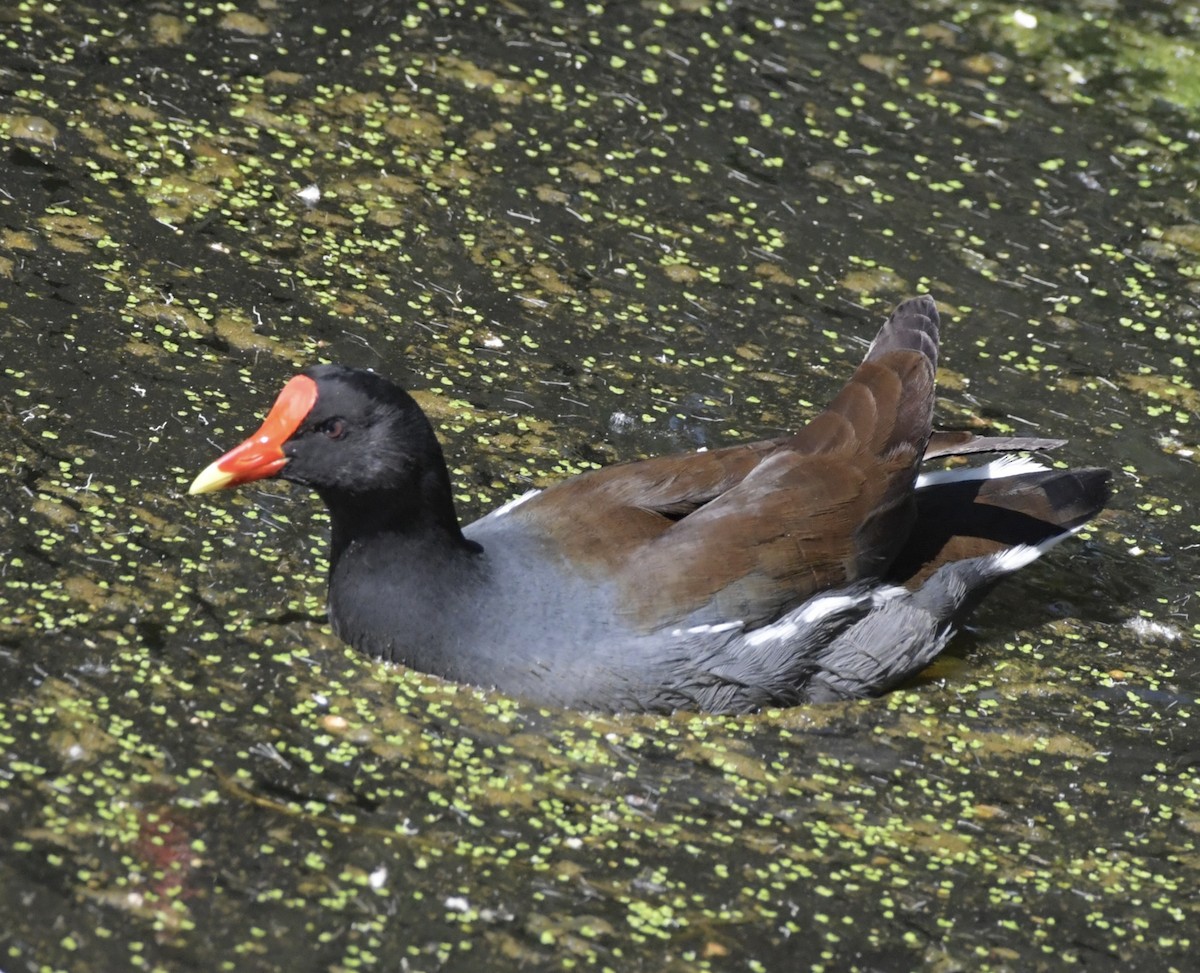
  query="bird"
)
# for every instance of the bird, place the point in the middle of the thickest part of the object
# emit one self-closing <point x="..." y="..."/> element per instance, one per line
<point x="820" y="565"/>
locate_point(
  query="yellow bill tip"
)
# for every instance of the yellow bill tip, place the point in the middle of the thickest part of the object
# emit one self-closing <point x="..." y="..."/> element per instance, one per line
<point x="212" y="478"/>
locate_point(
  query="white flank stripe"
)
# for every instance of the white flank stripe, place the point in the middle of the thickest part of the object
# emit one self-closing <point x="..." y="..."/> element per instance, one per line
<point x="713" y="629"/>
<point x="515" y="502"/>
<point x="823" y="605"/>
<point x="771" y="633"/>
<point x="808" y="614"/>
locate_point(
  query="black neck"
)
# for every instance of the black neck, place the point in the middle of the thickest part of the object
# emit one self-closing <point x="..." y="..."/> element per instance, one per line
<point x="420" y="514"/>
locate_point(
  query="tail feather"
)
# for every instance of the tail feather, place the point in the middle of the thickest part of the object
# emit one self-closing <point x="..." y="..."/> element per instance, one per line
<point x="913" y="326"/>
<point x="961" y="443"/>
<point x="961" y="518"/>
<point x="968" y="528"/>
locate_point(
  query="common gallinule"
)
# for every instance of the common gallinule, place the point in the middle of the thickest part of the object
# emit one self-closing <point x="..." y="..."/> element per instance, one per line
<point x="814" y="566"/>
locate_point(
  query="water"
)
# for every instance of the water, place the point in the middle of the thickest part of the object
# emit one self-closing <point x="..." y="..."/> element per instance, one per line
<point x="589" y="238"/>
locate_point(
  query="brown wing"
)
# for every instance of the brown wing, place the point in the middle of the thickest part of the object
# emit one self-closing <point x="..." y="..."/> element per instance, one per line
<point x="750" y="531"/>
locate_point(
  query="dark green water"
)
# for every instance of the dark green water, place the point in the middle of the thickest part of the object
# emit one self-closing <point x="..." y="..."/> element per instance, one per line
<point x="589" y="233"/>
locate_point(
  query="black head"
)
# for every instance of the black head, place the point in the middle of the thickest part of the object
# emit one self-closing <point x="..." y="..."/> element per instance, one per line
<point x="360" y="441"/>
<point x="363" y="434"/>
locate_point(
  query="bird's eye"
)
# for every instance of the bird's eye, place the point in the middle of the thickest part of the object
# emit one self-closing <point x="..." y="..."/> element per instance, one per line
<point x="333" y="428"/>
